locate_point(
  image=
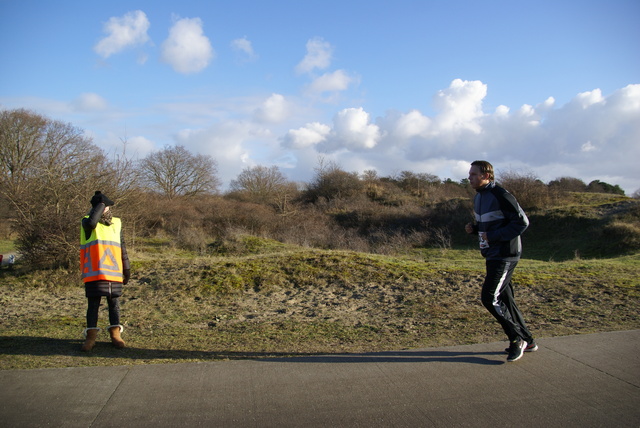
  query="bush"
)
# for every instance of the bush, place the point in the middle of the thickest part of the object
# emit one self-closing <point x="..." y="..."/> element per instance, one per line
<point x="530" y="192"/>
<point x="331" y="183"/>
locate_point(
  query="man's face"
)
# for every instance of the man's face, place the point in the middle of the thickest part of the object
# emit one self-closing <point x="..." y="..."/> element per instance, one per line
<point x="476" y="178"/>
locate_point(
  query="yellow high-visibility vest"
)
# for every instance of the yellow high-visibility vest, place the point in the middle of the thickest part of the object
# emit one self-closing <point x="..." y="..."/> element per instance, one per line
<point x="101" y="253"/>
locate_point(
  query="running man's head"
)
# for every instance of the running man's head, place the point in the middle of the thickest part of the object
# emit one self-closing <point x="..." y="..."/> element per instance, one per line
<point x="480" y="174"/>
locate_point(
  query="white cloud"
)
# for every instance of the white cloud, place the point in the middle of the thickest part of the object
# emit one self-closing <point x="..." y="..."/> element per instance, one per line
<point x="502" y="111"/>
<point x="187" y="49"/>
<point x="89" y="101"/>
<point x="234" y="144"/>
<point x="139" y="145"/>
<point x="548" y="104"/>
<point x="116" y="144"/>
<point x="460" y="106"/>
<point x="307" y="136"/>
<point x="626" y="100"/>
<point x="123" y="32"/>
<point x="591" y="137"/>
<point x="319" y="55"/>
<point x="352" y="130"/>
<point x="587" y="99"/>
<point x="338" y="80"/>
<point x="588" y="147"/>
<point x="274" y="109"/>
<point x="244" y="46"/>
<point x="526" y="111"/>
<point x="410" y="125"/>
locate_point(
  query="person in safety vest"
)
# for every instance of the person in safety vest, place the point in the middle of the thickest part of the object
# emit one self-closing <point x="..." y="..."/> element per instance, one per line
<point x="104" y="266"/>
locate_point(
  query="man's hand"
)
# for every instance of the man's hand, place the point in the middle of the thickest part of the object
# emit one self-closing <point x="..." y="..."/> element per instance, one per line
<point x="469" y="228"/>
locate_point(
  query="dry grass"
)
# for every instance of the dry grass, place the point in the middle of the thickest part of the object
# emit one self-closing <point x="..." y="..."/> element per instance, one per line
<point x="296" y="301"/>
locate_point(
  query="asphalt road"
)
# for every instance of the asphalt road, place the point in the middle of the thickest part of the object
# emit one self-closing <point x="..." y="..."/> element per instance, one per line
<point x="588" y="380"/>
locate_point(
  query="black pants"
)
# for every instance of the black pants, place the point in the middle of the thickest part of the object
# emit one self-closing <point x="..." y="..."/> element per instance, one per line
<point x="94" y="305"/>
<point x="497" y="297"/>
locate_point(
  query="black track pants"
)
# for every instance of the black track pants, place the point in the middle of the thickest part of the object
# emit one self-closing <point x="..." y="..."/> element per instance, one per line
<point x="497" y="297"/>
<point x="94" y="305"/>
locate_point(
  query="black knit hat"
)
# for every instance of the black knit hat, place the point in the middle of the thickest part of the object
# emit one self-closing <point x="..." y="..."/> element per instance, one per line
<point x="99" y="197"/>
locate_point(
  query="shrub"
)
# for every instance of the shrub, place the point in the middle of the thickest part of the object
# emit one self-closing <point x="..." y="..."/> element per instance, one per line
<point x="527" y="188"/>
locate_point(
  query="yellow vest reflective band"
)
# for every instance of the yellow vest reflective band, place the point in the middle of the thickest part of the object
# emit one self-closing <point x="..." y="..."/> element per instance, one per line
<point x="101" y="253"/>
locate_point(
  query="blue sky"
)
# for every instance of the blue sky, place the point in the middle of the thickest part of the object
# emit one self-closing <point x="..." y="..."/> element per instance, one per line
<point x="549" y="88"/>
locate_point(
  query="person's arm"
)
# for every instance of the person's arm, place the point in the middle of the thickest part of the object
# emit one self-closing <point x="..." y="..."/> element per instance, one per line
<point x="126" y="265"/>
<point x="90" y="223"/>
<point x="515" y="220"/>
<point x="472" y="227"/>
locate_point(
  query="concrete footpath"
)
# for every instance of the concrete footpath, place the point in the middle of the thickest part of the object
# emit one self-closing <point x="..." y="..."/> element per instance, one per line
<point x="588" y="380"/>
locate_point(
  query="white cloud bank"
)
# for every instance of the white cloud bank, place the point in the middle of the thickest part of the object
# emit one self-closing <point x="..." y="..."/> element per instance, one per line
<point x="591" y="137"/>
<point x="594" y="136"/>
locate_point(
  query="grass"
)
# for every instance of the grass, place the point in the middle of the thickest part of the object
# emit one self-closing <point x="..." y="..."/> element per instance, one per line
<point x="298" y="301"/>
<point x="251" y="297"/>
<point x="6" y="246"/>
<point x="594" y="226"/>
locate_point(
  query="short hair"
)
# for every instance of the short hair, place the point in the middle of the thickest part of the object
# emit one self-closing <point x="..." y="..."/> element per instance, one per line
<point x="485" y="168"/>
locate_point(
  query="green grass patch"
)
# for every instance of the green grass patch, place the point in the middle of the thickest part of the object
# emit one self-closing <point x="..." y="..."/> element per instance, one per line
<point x="7" y="246"/>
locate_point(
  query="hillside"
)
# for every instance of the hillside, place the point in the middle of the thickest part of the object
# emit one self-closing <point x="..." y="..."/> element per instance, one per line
<point x="299" y="301"/>
<point x="594" y="226"/>
<point x="257" y="297"/>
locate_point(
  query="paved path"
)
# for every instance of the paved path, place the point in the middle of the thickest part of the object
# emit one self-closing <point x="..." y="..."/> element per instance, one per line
<point x="583" y="381"/>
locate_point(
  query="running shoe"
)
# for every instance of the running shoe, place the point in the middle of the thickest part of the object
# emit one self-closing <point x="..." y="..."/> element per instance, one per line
<point x="531" y="347"/>
<point x="516" y="350"/>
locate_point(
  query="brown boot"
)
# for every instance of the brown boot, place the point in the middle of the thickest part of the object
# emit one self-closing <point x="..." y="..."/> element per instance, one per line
<point x="90" y="335"/>
<point x="116" y="340"/>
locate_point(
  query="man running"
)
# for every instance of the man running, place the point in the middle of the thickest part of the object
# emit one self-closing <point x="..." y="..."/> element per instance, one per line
<point x="499" y="223"/>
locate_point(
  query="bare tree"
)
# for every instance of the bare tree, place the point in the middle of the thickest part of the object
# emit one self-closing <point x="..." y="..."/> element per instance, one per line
<point x="174" y="171"/>
<point x="125" y="176"/>
<point x="265" y="185"/>
<point x="21" y="138"/>
<point x="48" y="169"/>
<point x="260" y="183"/>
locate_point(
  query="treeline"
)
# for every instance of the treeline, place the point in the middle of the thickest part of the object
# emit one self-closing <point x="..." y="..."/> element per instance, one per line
<point x="49" y="171"/>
